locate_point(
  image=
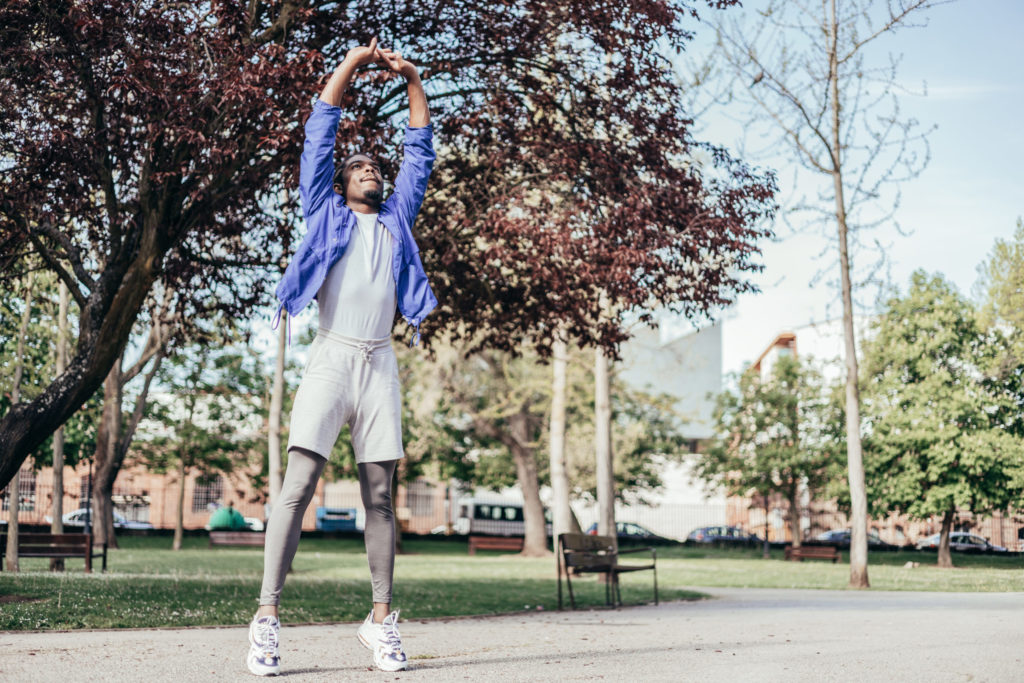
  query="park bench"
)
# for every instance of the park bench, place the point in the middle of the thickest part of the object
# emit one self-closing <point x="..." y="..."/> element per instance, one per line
<point x="508" y="543"/>
<point x="812" y="552"/>
<point x="236" y="538"/>
<point x="66" y="546"/>
<point x="587" y="554"/>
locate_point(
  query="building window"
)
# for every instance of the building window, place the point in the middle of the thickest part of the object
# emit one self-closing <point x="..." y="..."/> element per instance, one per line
<point x="421" y="498"/>
<point x="208" y="490"/>
<point x="83" y="490"/>
<point x="27" y="491"/>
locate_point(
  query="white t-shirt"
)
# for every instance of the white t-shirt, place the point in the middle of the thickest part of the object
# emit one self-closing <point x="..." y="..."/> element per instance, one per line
<point x="357" y="299"/>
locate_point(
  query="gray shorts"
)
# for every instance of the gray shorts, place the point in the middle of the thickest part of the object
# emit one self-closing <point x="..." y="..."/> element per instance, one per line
<point x="350" y="382"/>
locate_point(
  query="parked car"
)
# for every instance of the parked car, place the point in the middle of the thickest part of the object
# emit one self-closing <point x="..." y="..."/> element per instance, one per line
<point x="721" y="534"/>
<point x="77" y="519"/>
<point x="629" y="532"/>
<point x="841" y="539"/>
<point x="961" y="541"/>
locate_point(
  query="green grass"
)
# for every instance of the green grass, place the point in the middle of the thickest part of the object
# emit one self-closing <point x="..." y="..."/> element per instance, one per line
<point x="149" y="585"/>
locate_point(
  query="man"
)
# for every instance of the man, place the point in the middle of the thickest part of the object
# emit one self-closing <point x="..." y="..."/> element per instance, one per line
<point x="360" y="261"/>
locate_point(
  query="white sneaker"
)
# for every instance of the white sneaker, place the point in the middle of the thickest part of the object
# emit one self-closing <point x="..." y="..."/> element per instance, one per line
<point x="263" y="658"/>
<point x="385" y="642"/>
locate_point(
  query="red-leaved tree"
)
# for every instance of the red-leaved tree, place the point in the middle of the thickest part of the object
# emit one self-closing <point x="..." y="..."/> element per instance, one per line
<point x="148" y="139"/>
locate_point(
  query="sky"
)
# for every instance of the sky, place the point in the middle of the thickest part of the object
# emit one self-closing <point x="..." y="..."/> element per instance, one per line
<point x="971" y="193"/>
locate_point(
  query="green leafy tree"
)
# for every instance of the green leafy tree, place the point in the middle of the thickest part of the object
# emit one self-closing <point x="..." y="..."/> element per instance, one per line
<point x="771" y="437"/>
<point x="1001" y="286"/>
<point x="209" y="419"/>
<point x="940" y="414"/>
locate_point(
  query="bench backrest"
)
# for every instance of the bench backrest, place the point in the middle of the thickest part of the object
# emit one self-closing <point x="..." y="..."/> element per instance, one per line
<point x="585" y="550"/>
<point x="37" y="541"/>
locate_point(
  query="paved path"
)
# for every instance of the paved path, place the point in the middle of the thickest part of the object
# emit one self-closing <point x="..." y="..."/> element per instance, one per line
<point x="741" y="635"/>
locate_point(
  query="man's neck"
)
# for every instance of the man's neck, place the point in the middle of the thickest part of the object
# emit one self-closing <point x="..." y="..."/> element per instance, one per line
<point x="360" y="206"/>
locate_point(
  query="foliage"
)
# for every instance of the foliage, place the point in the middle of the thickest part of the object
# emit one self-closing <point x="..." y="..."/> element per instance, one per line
<point x="211" y="415"/>
<point x="146" y="139"/>
<point x="938" y="417"/>
<point x="771" y="433"/>
<point x="1001" y="285"/>
<point x="451" y="395"/>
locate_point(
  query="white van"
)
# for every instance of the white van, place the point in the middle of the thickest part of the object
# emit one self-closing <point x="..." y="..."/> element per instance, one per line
<point x="492" y="516"/>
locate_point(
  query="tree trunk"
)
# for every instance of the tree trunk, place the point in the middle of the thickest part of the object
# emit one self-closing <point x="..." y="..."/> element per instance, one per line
<point x="854" y="454"/>
<point x="536" y="535"/>
<point x="105" y="324"/>
<point x="105" y="459"/>
<point x="603" y="447"/>
<point x="179" y="520"/>
<point x="276" y="403"/>
<point x="794" y="517"/>
<point x="945" y="559"/>
<point x="57" y="509"/>
<point x="14" y="486"/>
<point x="562" y="511"/>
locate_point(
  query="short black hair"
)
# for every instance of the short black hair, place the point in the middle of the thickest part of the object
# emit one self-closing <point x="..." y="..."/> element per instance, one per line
<point x="340" y="177"/>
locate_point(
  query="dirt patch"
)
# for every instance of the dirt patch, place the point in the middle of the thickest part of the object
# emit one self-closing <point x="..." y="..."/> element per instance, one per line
<point x="8" y="599"/>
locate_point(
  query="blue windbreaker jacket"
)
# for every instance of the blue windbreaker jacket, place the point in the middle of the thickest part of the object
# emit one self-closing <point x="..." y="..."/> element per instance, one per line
<point x="329" y="221"/>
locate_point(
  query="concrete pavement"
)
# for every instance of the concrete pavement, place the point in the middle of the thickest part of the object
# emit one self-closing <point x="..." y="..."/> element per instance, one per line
<point x="739" y="635"/>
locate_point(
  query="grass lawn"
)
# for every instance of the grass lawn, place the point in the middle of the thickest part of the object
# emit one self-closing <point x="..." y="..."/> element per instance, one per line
<point x="149" y="585"/>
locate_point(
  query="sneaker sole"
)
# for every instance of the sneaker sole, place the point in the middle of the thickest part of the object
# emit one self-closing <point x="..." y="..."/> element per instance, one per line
<point x="260" y="670"/>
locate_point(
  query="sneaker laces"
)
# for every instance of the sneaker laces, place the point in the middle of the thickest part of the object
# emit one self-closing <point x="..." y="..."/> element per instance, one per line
<point x="266" y="636"/>
<point x="389" y="633"/>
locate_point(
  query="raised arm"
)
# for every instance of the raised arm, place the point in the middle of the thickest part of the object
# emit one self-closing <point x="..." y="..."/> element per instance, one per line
<point x="342" y="76"/>
<point x="419" y="114"/>
<point x="316" y="173"/>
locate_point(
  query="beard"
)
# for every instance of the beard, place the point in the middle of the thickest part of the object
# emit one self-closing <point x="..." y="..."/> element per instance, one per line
<point x="374" y="195"/>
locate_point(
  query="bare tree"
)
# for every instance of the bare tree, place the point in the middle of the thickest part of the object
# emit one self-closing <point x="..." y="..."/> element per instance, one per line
<point x="14" y="488"/>
<point x="803" y="70"/>
<point x="114" y="434"/>
<point x="57" y="514"/>
<point x="561" y="510"/>
<point x="274" y="420"/>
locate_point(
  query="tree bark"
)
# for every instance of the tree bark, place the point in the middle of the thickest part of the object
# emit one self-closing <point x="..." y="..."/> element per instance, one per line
<point x="945" y="559"/>
<point x="794" y="516"/>
<point x="276" y="404"/>
<point x="14" y="486"/>
<point x="536" y="535"/>
<point x="603" y="447"/>
<point x="854" y="454"/>
<point x="562" y="511"/>
<point x="105" y="459"/>
<point x="57" y="509"/>
<point x="179" y="520"/>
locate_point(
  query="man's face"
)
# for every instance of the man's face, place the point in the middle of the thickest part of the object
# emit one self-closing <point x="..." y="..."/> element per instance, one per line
<point x="361" y="179"/>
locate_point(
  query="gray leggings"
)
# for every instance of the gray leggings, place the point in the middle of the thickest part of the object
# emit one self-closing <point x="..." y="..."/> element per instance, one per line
<point x="285" y="525"/>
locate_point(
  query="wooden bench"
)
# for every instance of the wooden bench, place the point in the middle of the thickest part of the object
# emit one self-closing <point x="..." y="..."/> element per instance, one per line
<point x="237" y="538"/>
<point x="812" y="552"/>
<point x="66" y="546"/>
<point x="507" y="543"/>
<point x="586" y="554"/>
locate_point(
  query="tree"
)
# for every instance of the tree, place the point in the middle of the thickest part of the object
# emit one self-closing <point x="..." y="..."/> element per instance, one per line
<point x="1001" y="288"/>
<point x="941" y="422"/>
<point x="803" y="70"/>
<point x="771" y="437"/>
<point x="115" y="433"/>
<point x="14" y="491"/>
<point x="209" y="420"/>
<point x="139" y="141"/>
<point x="155" y="163"/>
